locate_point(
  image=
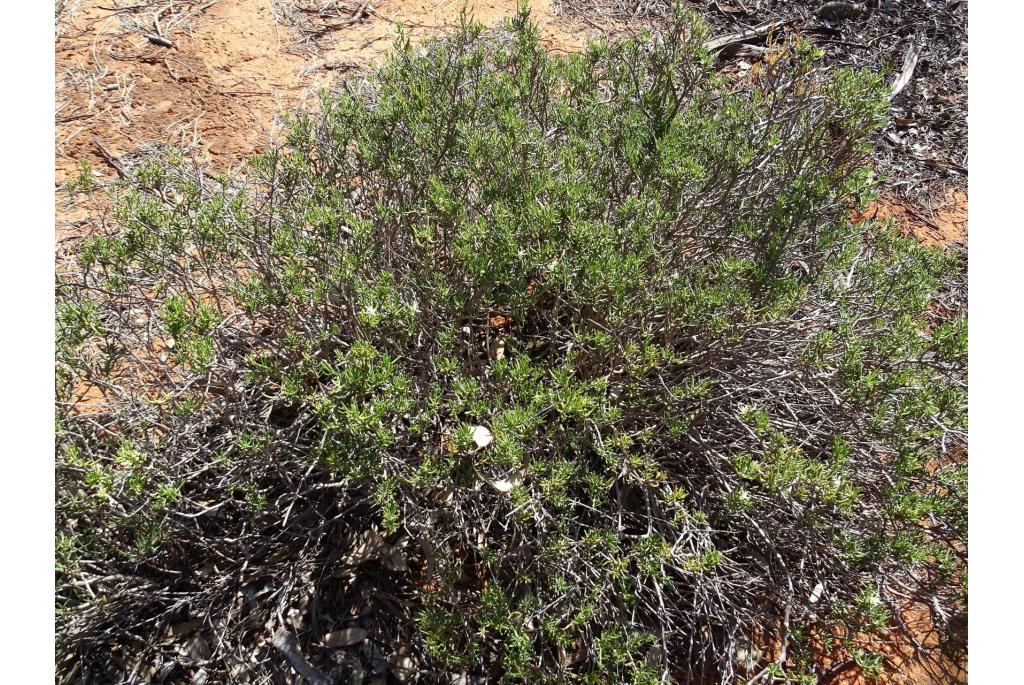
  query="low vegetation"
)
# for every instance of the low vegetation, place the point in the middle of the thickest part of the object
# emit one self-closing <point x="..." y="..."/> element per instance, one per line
<point x="524" y="367"/>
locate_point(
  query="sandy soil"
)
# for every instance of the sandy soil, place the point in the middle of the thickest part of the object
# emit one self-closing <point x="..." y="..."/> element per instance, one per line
<point x="236" y="66"/>
<point x="907" y="668"/>
<point x="946" y="222"/>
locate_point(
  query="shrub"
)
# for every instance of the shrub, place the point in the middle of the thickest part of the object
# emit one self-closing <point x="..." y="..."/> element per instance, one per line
<point x="542" y="369"/>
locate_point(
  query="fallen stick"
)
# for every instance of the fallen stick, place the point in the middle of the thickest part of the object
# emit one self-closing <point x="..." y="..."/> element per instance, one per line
<point x="743" y="36"/>
<point x="909" y="64"/>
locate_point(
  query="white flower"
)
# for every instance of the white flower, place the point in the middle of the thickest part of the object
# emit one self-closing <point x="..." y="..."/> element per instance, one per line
<point x="481" y="436"/>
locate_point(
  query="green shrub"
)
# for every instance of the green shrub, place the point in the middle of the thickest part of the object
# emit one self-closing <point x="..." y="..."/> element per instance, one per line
<point x="590" y="338"/>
